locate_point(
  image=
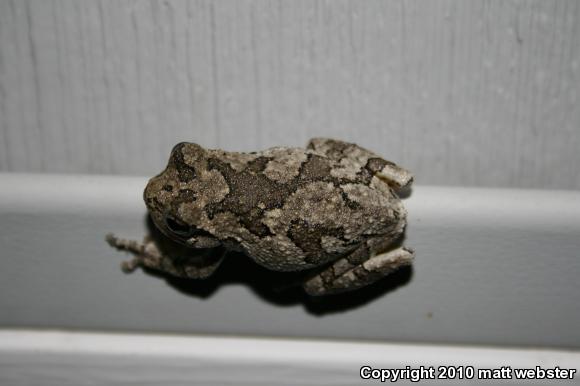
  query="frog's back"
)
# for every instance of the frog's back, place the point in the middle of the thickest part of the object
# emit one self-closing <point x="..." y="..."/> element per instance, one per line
<point x="293" y="208"/>
<point x="316" y="225"/>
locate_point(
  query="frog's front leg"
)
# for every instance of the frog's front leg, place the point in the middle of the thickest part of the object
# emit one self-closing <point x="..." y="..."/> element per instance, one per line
<point x="392" y="174"/>
<point x="357" y="270"/>
<point x="148" y="254"/>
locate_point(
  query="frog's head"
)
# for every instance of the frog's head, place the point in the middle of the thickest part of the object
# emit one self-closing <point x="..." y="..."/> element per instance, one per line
<point x="178" y="196"/>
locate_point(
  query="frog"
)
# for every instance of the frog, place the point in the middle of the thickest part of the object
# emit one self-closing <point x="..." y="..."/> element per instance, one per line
<point x="330" y="210"/>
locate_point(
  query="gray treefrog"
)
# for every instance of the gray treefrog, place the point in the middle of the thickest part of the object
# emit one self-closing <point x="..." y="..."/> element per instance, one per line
<point x="330" y="208"/>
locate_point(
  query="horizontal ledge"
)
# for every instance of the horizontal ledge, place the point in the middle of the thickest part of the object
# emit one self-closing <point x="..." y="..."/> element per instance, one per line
<point x="493" y="267"/>
<point x="62" y="357"/>
<point x="70" y="193"/>
<point x="267" y="350"/>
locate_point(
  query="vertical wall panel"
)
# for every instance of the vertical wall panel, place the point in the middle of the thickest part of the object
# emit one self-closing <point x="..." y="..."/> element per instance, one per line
<point x="462" y="93"/>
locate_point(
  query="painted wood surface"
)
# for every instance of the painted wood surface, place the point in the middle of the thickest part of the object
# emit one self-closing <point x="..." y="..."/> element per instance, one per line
<point x="65" y="358"/>
<point x="482" y="93"/>
<point x="493" y="267"/>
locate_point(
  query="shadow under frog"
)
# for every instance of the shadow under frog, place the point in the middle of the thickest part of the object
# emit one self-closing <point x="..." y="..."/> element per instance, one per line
<point x="278" y="288"/>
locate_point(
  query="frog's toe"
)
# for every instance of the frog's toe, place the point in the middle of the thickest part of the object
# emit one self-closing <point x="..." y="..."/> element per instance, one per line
<point x="395" y="176"/>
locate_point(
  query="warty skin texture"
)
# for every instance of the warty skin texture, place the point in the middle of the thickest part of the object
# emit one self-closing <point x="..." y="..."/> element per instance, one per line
<point x="330" y="208"/>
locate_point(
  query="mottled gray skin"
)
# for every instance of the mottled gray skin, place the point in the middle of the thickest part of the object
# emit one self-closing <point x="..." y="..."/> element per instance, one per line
<point x="331" y="206"/>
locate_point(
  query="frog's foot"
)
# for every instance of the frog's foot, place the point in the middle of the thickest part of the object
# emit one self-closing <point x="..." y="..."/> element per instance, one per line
<point x="148" y="254"/>
<point x="394" y="175"/>
<point x="145" y="254"/>
<point x="345" y="275"/>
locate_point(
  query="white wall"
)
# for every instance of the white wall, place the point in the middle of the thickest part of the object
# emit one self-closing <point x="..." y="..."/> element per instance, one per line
<point x="461" y="92"/>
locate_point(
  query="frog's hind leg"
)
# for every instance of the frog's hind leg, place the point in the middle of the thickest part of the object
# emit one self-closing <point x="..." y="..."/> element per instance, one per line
<point x="357" y="270"/>
<point x="147" y="254"/>
<point x="394" y="175"/>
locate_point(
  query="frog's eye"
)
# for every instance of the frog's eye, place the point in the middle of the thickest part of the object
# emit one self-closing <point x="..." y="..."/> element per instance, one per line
<point x="180" y="228"/>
